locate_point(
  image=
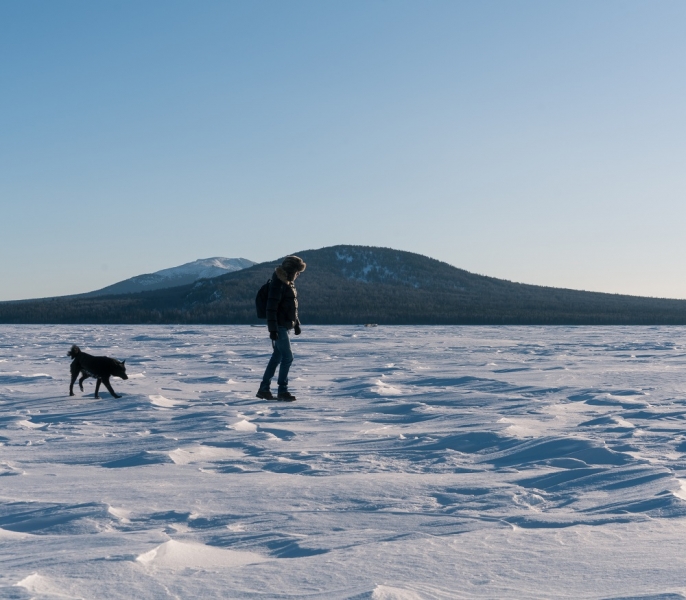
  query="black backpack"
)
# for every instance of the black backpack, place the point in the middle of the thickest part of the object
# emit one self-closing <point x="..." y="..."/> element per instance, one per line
<point x="261" y="300"/>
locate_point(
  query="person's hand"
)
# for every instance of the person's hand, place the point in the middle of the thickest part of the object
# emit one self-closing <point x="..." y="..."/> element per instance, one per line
<point x="274" y="335"/>
<point x="297" y="330"/>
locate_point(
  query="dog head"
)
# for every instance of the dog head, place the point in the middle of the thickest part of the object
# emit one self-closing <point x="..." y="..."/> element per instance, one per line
<point x="120" y="369"/>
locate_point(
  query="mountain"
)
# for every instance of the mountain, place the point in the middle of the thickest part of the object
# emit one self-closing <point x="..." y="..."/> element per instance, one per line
<point x="205" y="268"/>
<point x="360" y="284"/>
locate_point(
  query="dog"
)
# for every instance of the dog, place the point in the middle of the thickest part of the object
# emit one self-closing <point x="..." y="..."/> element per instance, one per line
<point x="100" y="367"/>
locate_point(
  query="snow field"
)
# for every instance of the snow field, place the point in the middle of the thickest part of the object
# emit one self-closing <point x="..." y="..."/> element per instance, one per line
<point x="445" y="462"/>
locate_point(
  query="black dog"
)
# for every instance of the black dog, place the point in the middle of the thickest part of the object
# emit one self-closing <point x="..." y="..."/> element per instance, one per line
<point x="100" y="367"/>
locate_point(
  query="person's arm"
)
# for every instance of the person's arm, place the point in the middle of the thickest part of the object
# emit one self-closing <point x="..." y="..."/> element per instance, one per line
<point x="273" y="301"/>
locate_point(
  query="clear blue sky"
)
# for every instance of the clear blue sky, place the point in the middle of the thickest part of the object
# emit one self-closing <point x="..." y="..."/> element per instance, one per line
<point x="541" y="142"/>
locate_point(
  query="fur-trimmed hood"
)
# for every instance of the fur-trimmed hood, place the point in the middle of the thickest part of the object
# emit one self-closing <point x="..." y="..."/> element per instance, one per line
<point x="293" y="264"/>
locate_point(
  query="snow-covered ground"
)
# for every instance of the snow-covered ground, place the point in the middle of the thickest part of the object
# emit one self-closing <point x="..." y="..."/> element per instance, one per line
<point x="444" y="462"/>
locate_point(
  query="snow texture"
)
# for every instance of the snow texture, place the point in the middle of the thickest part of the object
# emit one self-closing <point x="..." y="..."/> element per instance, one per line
<point x="417" y="463"/>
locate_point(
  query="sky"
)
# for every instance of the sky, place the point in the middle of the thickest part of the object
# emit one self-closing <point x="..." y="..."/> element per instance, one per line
<point x="535" y="141"/>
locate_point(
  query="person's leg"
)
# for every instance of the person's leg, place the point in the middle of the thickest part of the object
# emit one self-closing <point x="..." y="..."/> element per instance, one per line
<point x="284" y="345"/>
<point x="271" y="368"/>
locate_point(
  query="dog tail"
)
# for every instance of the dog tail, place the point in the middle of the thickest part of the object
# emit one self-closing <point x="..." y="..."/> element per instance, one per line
<point x="75" y="350"/>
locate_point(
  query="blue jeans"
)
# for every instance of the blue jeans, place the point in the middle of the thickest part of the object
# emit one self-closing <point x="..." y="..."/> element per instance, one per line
<point x="282" y="355"/>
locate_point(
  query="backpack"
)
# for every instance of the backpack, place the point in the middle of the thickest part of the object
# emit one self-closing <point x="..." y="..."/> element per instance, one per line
<point x="261" y="300"/>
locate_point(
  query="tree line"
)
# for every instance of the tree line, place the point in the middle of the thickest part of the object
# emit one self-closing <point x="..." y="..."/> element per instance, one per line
<point x="356" y="285"/>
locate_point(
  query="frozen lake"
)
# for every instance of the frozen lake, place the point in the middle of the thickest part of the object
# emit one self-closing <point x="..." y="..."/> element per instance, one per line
<point x="439" y="462"/>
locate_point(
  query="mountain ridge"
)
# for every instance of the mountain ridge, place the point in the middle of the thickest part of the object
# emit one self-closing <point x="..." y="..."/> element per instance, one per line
<point x="203" y="268"/>
<point x="348" y="284"/>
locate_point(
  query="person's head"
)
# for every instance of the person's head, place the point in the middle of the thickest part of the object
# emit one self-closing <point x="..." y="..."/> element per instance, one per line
<point x="293" y="266"/>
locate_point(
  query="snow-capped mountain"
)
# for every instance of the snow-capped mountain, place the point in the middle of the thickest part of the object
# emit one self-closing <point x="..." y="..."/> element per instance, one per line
<point x="204" y="268"/>
<point x="349" y="285"/>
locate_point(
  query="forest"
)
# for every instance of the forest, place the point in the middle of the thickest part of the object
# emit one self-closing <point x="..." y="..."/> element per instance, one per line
<point x="358" y="285"/>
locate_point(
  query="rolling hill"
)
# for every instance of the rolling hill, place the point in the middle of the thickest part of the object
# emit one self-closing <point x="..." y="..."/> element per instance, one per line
<point x="359" y="284"/>
<point x="203" y="268"/>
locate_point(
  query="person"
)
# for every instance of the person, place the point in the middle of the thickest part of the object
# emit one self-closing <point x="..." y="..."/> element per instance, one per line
<point x="282" y="316"/>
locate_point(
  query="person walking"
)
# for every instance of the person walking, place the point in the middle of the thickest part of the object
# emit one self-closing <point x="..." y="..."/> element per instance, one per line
<point x="282" y="316"/>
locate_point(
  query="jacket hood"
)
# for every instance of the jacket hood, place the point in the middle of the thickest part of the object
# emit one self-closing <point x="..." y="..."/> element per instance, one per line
<point x="292" y="265"/>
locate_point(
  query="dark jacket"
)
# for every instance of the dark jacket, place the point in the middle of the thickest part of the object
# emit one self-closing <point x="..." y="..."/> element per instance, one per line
<point x="282" y="303"/>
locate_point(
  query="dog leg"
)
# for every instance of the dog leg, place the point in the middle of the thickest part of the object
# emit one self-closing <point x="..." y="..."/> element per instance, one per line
<point x="85" y="376"/>
<point x="97" y="387"/>
<point x="106" y="381"/>
<point x="71" y="384"/>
